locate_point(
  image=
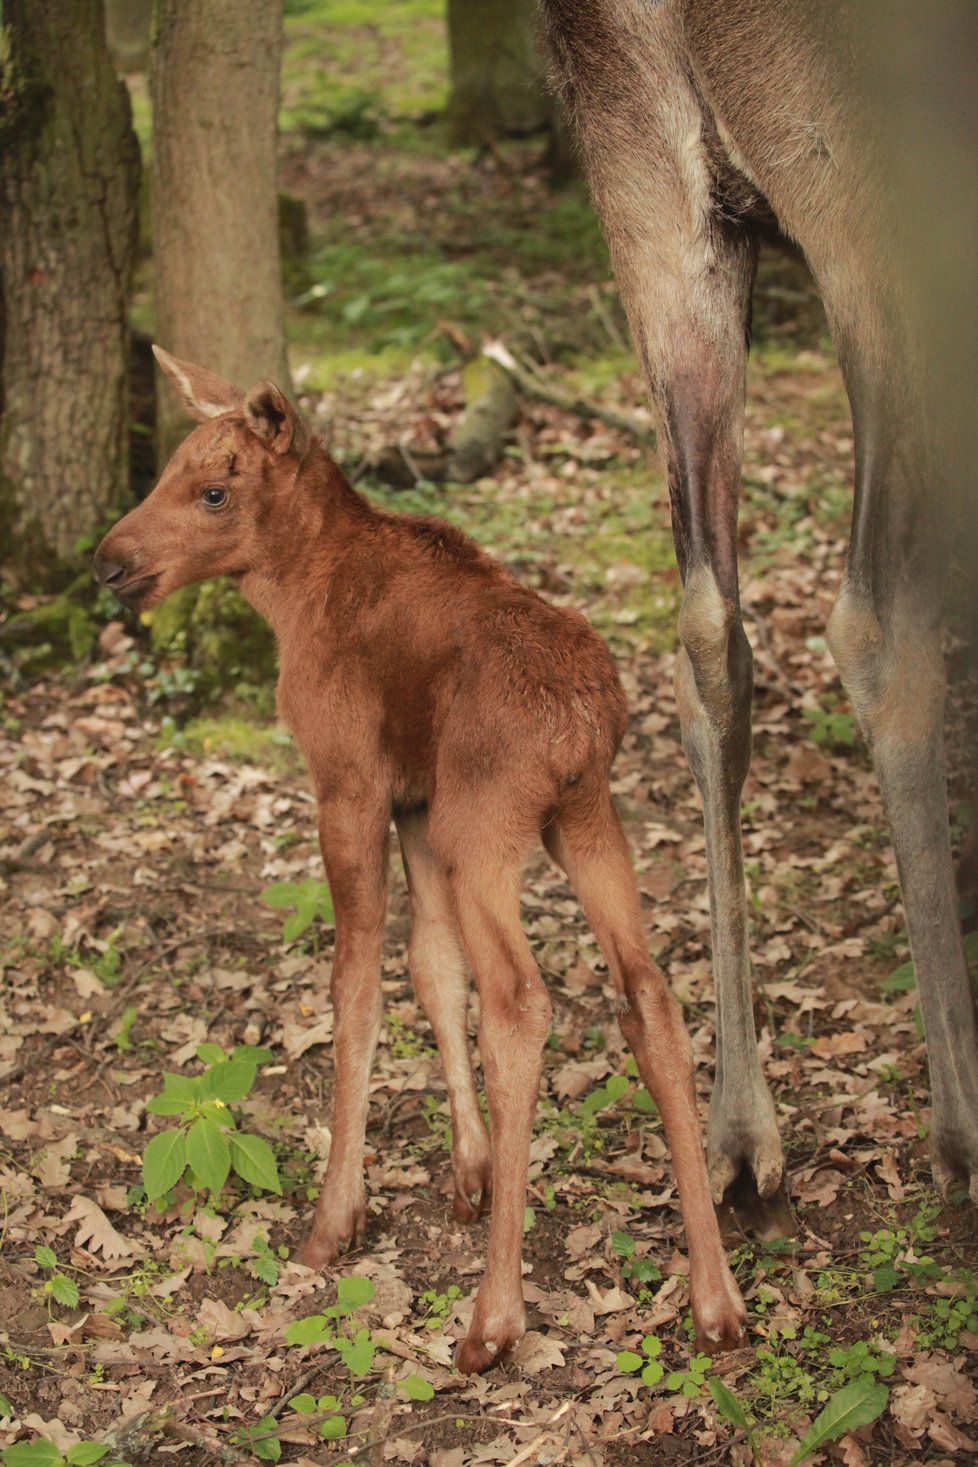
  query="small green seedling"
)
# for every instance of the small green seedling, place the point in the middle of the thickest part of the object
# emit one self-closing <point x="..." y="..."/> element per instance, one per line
<point x="206" y="1144"/>
<point x="311" y="899"/>
<point x="648" y="1362"/>
<point x="62" y="1290"/>
<point x="356" y="1351"/>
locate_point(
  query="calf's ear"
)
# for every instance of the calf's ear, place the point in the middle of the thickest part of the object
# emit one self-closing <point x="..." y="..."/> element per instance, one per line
<point x="205" y="394"/>
<point x="273" y="419"/>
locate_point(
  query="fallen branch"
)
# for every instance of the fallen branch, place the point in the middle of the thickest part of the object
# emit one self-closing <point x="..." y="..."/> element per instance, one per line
<point x="530" y="384"/>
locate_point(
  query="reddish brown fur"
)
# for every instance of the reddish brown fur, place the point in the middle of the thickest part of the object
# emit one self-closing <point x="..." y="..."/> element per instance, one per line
<point x="423" y="683"/>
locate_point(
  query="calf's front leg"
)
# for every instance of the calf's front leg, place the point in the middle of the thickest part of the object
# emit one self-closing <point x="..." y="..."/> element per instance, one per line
<point x="354" y="843"/>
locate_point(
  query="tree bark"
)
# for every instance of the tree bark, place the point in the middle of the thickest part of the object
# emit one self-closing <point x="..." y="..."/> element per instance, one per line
<point x="69" y="174"/>
<point x="215" y="88"/>
<point x="498" y="73"/>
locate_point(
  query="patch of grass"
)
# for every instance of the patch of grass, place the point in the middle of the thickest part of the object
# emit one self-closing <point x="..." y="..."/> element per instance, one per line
<point x="232" y="738"/>
<point x="340" y="52"/>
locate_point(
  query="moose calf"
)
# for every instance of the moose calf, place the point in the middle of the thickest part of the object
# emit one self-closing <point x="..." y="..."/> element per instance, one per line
<point x="424" y="684"/>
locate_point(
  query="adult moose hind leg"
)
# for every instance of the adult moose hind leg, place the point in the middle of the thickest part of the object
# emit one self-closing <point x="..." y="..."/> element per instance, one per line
<point x="588" y="842"/>
<point x="884" y="633"/>
<point x="438" y="971"/>
<point x="685" y="264"/>
<point x="354" y="840"/>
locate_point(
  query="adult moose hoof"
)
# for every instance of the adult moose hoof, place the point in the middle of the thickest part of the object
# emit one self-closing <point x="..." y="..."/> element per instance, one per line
<point x="954" y="1157"/>
<point x="746" y="1171"/>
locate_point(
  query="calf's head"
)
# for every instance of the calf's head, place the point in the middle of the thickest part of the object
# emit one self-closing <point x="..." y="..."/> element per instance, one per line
<point x="219" y="496"/>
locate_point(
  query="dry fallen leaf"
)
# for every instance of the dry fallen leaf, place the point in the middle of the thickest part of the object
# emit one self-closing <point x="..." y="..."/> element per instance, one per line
<point x="95" y="1230"/>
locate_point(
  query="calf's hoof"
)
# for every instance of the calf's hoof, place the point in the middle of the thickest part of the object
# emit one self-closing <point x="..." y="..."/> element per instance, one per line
<point x="328" y="1240"/>
<point x="719" y="1315"/>
<point x="489" y="1345"/>
<point x="473" y="1189"/>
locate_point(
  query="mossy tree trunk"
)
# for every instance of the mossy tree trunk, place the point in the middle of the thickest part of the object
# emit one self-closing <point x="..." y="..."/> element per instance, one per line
<point x="498" y="72"/>
<point x="69" y="174"/>
<point x="215" y="86"/>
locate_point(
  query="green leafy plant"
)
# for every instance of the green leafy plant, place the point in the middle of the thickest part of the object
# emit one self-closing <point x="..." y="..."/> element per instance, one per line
<point x="262" y="1439"/>
<point x="59" y="1287"/>
<point x="731" y="1409"/>
<point x="44" y="1453"/>
<point x="692" y="1381"/>
<point x="311" y="899"/>
<point x="440" y="1305"/>
<point x="265" y="1265"/>
<point x="856" y="1404"/>
<point x="357" y="1349"/>
<point x="629" y="1361"/>
<point x="206" y="1145"/>
<point x="639" y="1270"/>
<point x="332" y="1423"/>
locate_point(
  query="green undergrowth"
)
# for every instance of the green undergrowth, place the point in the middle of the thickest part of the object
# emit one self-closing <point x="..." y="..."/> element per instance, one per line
<point x="352" y="66"/>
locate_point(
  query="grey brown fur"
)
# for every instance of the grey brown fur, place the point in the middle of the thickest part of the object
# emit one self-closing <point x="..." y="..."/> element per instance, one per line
<point x="697" y="120"/>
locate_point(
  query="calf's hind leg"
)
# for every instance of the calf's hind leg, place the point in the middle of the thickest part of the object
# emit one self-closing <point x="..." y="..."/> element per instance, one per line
<point x="591" y="847"/>
<point x="438" y="971"/>
<point x="485" y="870"/>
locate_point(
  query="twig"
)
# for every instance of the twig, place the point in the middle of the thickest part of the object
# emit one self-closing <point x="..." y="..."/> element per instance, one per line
<point x="530" y="385"/>
<point x="527" y="1452"/>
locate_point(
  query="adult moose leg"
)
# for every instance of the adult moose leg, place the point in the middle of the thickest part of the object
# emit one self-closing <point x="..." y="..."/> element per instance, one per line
<point x="685" y="268"/>
<point x="884" y="633"/>
<point x="438" y="971"/>
<point x="354" y="843"/>
<point x="589" y="844"/>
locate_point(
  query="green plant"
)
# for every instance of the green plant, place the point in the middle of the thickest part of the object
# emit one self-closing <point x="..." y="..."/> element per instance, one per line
<point x="206" y="1144"/>
<point x="311" y="899"/>
<point x="262" y="1439"/>
<point x="830" y="728"/>
<point x="58" y="1287"/>
<point x="266" y="1262"/>
<point x="332" y="1423"/>
<point x="439" y="1305"/>
<point x="640" y="1270"/>
<point x="629" y="1361"/>
<point x="327" y="1328"/>
<point x="44" y="1453"/>
<point x="692" y="1381"/>
<point x="856" y="1404"/>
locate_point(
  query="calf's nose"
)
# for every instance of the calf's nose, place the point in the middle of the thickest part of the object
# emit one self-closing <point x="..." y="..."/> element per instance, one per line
<point x="109" y="572"/>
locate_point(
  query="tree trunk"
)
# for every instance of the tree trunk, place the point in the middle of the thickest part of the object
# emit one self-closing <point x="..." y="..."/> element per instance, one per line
<point x="127" y="25"/>
<point x="69" y="174"/>
<point x="498" y="74"/>
<point x="215" y="86"/>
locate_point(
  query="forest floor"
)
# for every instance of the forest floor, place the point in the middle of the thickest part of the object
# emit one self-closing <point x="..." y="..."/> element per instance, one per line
<point x="134" y="855"/>
<point x="138" y="836"/>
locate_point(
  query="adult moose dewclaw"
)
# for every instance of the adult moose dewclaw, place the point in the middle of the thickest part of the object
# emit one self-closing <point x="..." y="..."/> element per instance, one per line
<point x="701" y="123"/>
<point x="424" y="684"/>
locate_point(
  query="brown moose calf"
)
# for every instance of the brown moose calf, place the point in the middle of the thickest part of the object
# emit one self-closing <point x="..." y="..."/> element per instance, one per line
<point x="424" y="684"/>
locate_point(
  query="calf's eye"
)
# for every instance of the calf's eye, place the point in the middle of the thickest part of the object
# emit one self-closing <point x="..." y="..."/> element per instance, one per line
<point x="215" y="496"/>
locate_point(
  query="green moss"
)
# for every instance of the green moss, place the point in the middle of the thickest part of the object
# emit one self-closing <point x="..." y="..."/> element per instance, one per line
<point x="213" y="632"/>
